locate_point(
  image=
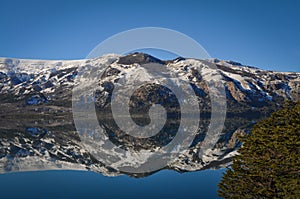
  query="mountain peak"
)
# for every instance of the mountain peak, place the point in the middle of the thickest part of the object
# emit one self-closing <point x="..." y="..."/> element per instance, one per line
<point x="39" y="93"/>
<point x="139" y="58"/>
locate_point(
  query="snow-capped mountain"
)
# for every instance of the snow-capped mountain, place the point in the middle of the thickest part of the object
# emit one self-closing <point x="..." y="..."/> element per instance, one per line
<point x="37" y="129"/>
<point x="23" y="78"/>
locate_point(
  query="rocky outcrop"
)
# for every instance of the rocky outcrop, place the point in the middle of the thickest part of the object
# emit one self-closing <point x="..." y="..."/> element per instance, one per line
<point x="38" y="132"/>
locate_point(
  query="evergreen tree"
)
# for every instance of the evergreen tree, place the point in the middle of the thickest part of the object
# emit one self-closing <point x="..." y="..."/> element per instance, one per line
<point x="268" y="164"/>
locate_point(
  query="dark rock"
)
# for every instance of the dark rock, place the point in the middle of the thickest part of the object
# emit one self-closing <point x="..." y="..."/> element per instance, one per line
<point x="139" y="58"/>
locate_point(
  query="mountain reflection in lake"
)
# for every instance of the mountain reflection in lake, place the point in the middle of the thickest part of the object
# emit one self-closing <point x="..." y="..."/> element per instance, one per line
<point x="30" y="146"/>
<point x="44" y="145"/>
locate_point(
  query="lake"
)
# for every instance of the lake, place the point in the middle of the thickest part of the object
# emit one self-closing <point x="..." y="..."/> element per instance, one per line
<point x="47" y="161"/>
<point x="85" y="184"/>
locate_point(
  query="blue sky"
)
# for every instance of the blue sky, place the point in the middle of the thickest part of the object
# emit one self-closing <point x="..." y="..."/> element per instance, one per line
<point x="259" y="33"/>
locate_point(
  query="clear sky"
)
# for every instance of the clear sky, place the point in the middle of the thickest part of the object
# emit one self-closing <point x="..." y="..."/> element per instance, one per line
<point x="261" y="33"/>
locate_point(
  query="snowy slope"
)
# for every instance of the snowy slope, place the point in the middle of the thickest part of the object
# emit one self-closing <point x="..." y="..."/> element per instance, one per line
<point x="44" y="88"/>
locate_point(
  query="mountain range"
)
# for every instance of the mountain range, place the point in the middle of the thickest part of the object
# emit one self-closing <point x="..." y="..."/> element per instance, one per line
<point x="37" y="130"/>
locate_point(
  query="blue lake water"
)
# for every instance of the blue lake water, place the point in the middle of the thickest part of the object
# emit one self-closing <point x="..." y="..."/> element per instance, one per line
<point x="82" y="184"/>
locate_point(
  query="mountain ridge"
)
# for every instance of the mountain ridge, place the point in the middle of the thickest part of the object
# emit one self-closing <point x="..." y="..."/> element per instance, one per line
<point x="37" y="95"/>
<point x="213" y="60"/>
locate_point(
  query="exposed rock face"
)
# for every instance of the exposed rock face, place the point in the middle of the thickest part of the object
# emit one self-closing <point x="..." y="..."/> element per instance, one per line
<point x="235" y="92"/>
<point x="37" y="130"/>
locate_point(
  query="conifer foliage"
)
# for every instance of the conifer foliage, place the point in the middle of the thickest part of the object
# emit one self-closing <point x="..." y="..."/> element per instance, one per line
<point x="268" y="164"/>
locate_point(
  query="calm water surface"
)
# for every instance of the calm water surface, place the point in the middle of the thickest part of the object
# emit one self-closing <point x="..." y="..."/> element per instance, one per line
<point x="82" y="184"/>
